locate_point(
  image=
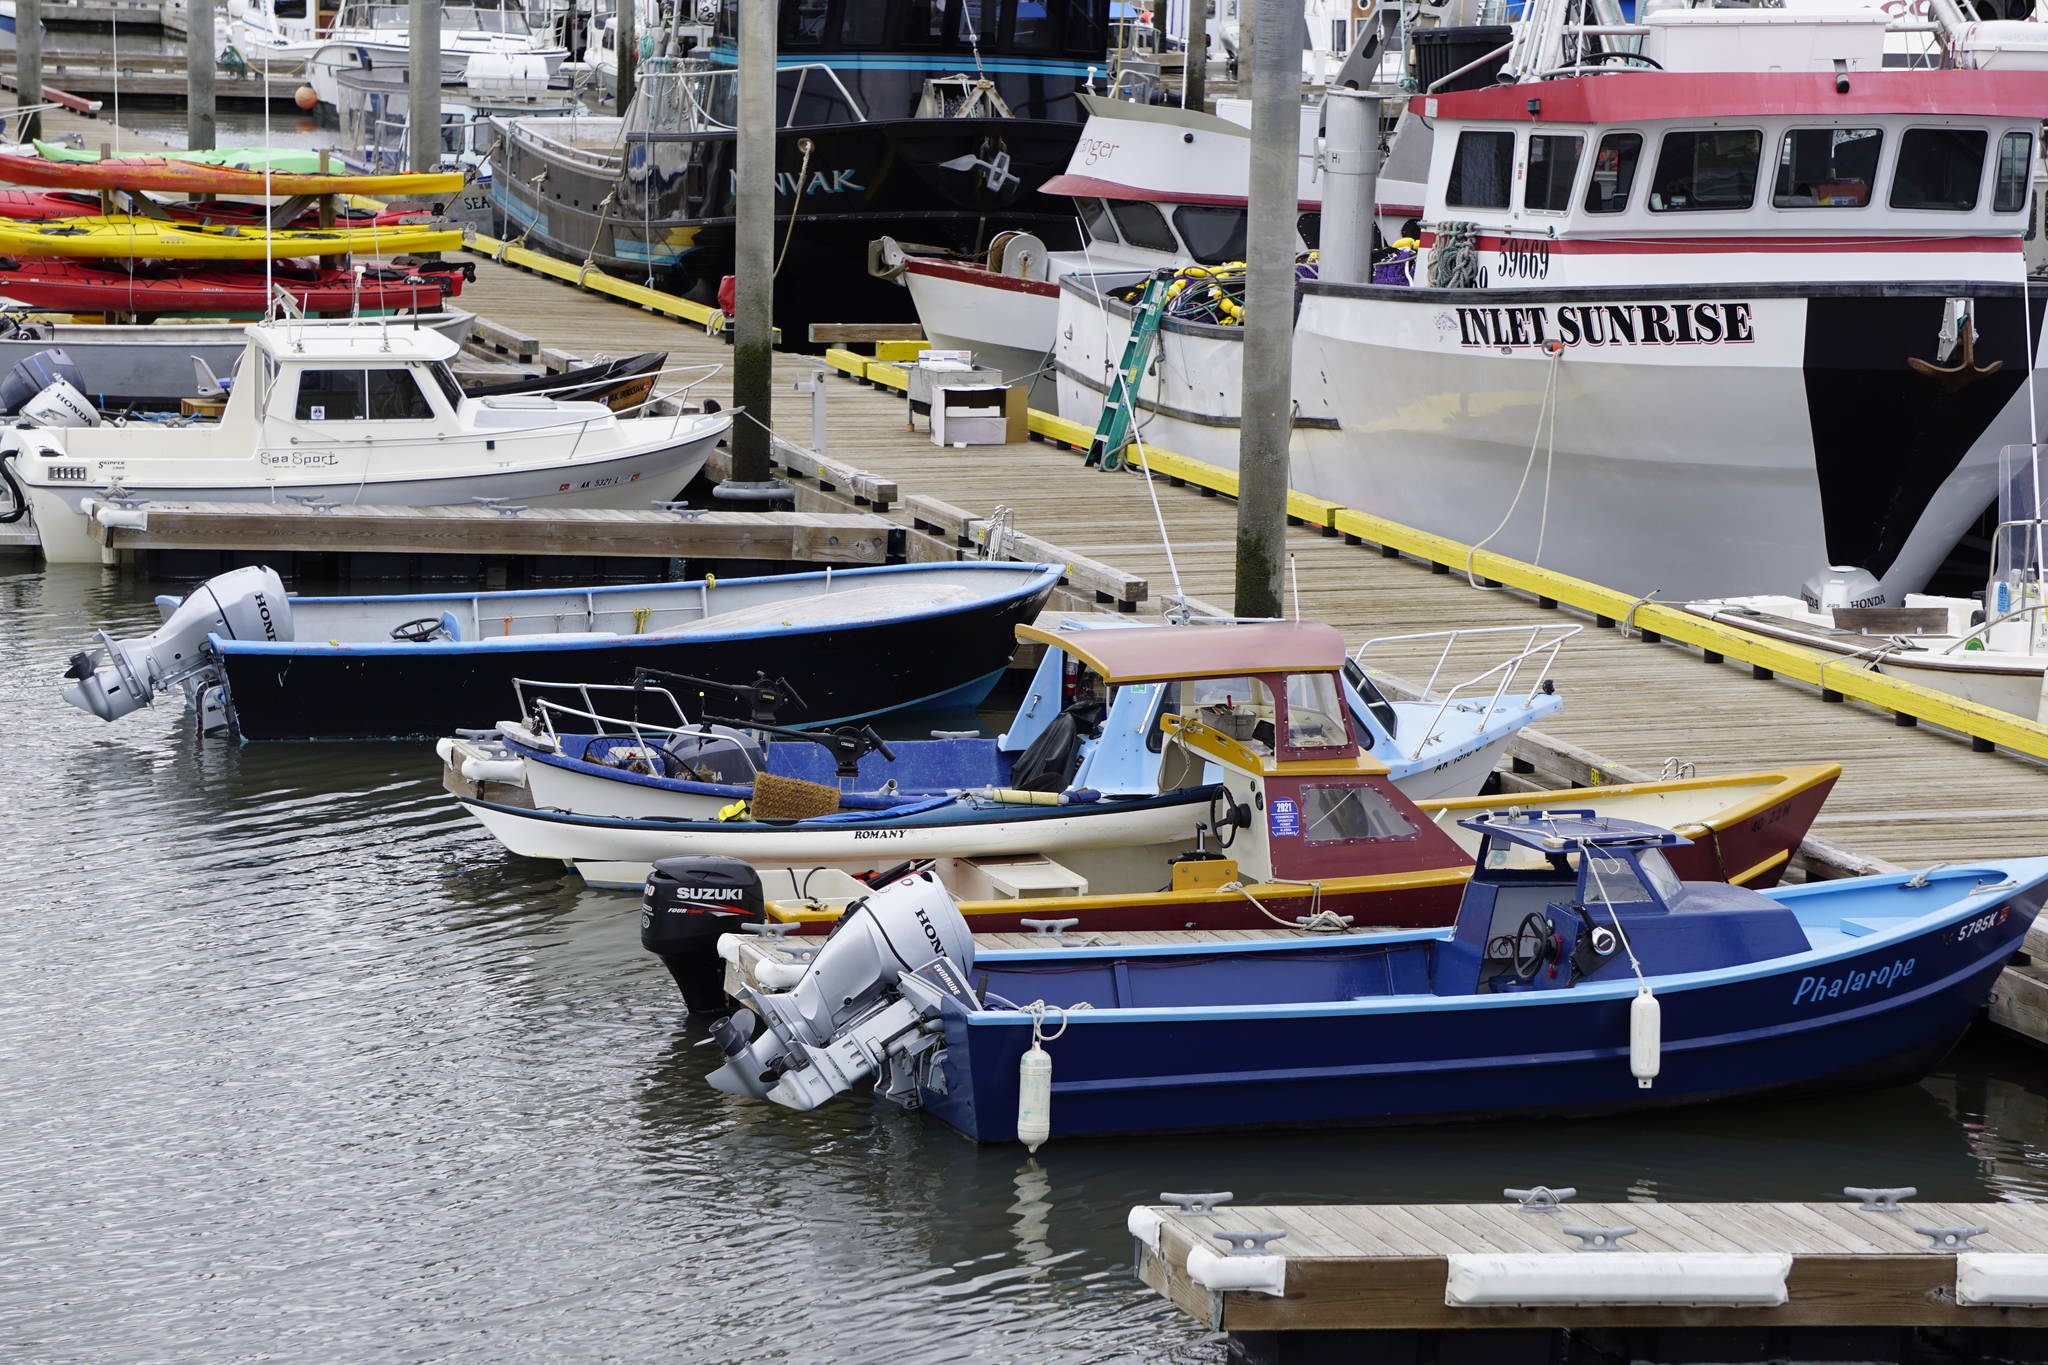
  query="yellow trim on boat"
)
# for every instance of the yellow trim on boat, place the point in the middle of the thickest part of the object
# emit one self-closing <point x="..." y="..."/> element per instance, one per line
<point x="1207" y="740"/>
<point x="1750" y="874"/>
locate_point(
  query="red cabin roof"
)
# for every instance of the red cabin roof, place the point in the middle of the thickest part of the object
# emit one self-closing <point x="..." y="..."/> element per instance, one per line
<point x="1159" y="653"/>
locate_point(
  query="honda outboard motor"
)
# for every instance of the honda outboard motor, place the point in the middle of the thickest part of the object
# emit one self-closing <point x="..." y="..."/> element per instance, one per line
<point x="60" y="405"/>
<point x="1841" y="585"/>
<point x="687" y="904"/>
<point x="32" y="374"/>
<point x="124" y="675"/>
<point x="866" y="1006"/>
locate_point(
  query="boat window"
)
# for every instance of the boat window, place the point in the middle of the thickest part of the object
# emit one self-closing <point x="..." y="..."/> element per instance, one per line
<point x="1939" y="168"/>
<point x="361" y="395"/>
<point x="1706" y="169"/>
<point x="1826" y="168"/>
<point x="980" y="23"/>
<point x="291" y="9"/>
<point x="927" y="23"/>
<point x="1213" y="234"/>
<point x="1143" y="225"/>
<point x="1611" y="880"/>
<point x="1315" y="712"/>
<point x="1614" y="172"/>
<point x="1375" y="700"/>
<point x="1662" y="878"/>
<point x="1082" y="22"/>
<point x="1239" y="707"/>
<point x="1553" y="166"/>
<point x="1095" y="218"/>
<point x="1481" y="170"/>
<point x="1034" y="26"/>
<point x="803" y="23"/>
<point x="863" y="23"/>
<point x="449" y="385"/>
<point x="1332" y="814"/>
<point x="2015" y="165"/>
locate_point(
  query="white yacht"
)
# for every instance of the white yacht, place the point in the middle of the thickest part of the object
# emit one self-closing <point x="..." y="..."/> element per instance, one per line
<point x="362" y="33"/>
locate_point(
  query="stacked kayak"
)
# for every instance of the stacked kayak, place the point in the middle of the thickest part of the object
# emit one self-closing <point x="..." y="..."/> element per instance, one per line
<point x="297" y="159"/>
<point x="83" y="286"/>
<point x="155" y="239"/>
<point x="186" y="177"/>
<point x="43" y="205"/>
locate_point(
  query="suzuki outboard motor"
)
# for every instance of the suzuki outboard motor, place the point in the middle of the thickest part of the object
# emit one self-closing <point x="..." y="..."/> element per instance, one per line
<point x="866" y="1005"/>
<point x="687" y="904"/>
<point x="124" y="675"/>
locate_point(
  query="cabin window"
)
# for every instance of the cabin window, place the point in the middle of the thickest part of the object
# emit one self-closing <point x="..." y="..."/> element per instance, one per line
<point x="863" y="23"/>
<point x="1481" y="171"/>
<point x="927" y="23"/>
<point x="980" y="23"/>
<point x="1241" y="708"/>
<point x="450" y="387"/>
<point x="361" y="395"/>
<point x="1213" y="234"/>
<point x="1553" y="166"/>
<point x="1706" y="170"/>
<point x="1939" y="168"/>
<point x="803" y="23"/>
<point x="1315" y="712"/>
<point x="2015" y="168"/>
<point x="1611" y="880"/>
<point x="1343" y="815"/>
<point x="1095" y="218"/>
<point x="291" y="9"/>
<point x="1034" y="26"/>
<point x="1826" y="168"/>
<point x="1143" y="225"/>
<point x="1614" y="172"/>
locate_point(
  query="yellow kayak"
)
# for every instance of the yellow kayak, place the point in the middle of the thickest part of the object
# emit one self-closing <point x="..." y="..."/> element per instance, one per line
<point x="122" y="236"/>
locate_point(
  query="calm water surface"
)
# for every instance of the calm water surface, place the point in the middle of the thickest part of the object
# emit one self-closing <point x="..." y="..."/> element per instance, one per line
<point x="295" y="1065"/>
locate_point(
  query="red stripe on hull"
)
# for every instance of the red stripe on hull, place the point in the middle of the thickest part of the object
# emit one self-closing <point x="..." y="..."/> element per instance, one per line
<point x="980" y="275"/>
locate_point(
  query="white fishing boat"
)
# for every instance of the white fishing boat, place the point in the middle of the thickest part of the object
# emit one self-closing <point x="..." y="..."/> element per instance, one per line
<point x="354" y="412"/>
<point x="359" y="33"/>
<point x="1704" y="304"/>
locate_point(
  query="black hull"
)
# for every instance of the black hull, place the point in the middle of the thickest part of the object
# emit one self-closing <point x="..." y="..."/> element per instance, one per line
<point x="669" y="214"/>
<point x="943" y="661"/>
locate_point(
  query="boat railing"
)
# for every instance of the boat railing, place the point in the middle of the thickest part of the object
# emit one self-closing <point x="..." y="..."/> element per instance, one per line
<point x="548" y="716"/>
<point x="1496" y="684"/>
<point x="692" y="104"/>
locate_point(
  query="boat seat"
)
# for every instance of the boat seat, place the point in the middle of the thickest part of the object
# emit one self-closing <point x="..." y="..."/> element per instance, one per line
<point x="833" y="608"/>
<point x="543" y="636"/>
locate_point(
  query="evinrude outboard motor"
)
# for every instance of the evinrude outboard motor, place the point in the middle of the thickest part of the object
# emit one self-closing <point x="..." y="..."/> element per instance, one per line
<point x="687" y="904"/>
<point x="125" y="675"/>
<point x="867" y="1005"/>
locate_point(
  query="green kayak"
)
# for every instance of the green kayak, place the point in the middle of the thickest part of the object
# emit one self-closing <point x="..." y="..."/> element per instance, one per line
<point x="284" y="160"/>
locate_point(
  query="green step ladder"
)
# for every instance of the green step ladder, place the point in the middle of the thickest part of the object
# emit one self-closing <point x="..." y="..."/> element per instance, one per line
<point x="1120" y="404"/>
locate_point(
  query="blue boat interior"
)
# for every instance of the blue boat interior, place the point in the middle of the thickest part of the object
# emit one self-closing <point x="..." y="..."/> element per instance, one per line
<point x="1557" y="902"/>
<point x="923" y="768"/>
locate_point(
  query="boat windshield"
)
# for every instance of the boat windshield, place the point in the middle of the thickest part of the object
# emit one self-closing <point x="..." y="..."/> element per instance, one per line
<point x="1315" y="712"/>
<point x="484" y="18"/>
<point x="1612" y="878"/>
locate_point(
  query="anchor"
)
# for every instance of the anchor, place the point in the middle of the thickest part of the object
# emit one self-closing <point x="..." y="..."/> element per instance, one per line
<point x="1965" y="371"/>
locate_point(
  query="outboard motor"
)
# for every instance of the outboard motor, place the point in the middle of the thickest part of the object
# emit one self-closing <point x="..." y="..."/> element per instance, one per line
<point x="1841" y="585"/>
<point x="686" y="905"/>
<point x="125" y="675"/>
<point x="60" y="405"/>
<point x="866" y="1005"/>
<point x="35" y="373"/>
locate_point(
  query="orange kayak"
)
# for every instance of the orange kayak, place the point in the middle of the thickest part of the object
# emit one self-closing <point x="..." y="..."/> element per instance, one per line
<point x="185" y="177"/>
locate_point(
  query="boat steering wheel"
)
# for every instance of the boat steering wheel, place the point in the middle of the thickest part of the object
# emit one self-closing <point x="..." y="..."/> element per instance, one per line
<point x="1235" y="815"/>
<point x="1535" y="928"/>
<point x="418" y="632"/>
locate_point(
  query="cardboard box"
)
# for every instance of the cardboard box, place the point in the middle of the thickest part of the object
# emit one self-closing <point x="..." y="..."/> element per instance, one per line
<point x="970" y="414"/>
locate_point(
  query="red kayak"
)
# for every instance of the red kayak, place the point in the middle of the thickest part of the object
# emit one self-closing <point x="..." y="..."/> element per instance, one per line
<point x="43" y="205"/>
<point x="85" y="286"/>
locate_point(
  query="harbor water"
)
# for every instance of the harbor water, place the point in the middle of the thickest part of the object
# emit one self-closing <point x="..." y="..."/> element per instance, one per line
<point x="299" y="1065"/>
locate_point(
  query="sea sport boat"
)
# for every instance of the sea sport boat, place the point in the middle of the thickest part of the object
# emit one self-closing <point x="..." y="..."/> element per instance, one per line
<point x="290" y="160"/>
<point x="1154" y="187"/>
<point x="132" y="238"/>
<point x="177" y="175"/>
<point x="327" y="41"/>
<point x="1728" y="261"/>
<point x="865" y="642"/>
<point x="1991" y="649"/>
<point x="935" y="123"/>
<point x="36" y="205"/>
<point x="357" y="412"/>
<point x="1094" y="805"/>
<point x="1582" y="976"/>
<point x="145" y="291"/>
<point x="581" y="762"/>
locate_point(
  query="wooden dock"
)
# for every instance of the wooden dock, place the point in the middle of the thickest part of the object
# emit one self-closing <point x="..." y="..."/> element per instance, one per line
<point x="155" y="76"/>
<point x="1462" y="1267"/>
<point x="290" y="527"/>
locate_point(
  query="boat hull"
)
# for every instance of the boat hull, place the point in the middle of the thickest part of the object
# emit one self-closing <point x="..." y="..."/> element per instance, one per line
<point x="631" y="478"/>
<point x="668" y="212"/>
<point x="849" y="670"/>
<point x="1460" y="1058"/>
<point x="1008" y="323"/>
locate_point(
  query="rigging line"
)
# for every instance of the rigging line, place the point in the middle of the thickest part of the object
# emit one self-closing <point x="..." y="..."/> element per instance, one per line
<point x="2033" y="415"/>
<point x="1535" y="441"/>
<point x="803" y="171"/>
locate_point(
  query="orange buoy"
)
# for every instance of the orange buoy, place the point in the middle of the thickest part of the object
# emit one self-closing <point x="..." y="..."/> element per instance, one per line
<point x="305" y="97"/>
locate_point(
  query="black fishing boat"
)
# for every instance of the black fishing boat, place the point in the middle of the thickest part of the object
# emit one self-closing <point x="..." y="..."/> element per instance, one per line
<point x="933" y="121"/>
